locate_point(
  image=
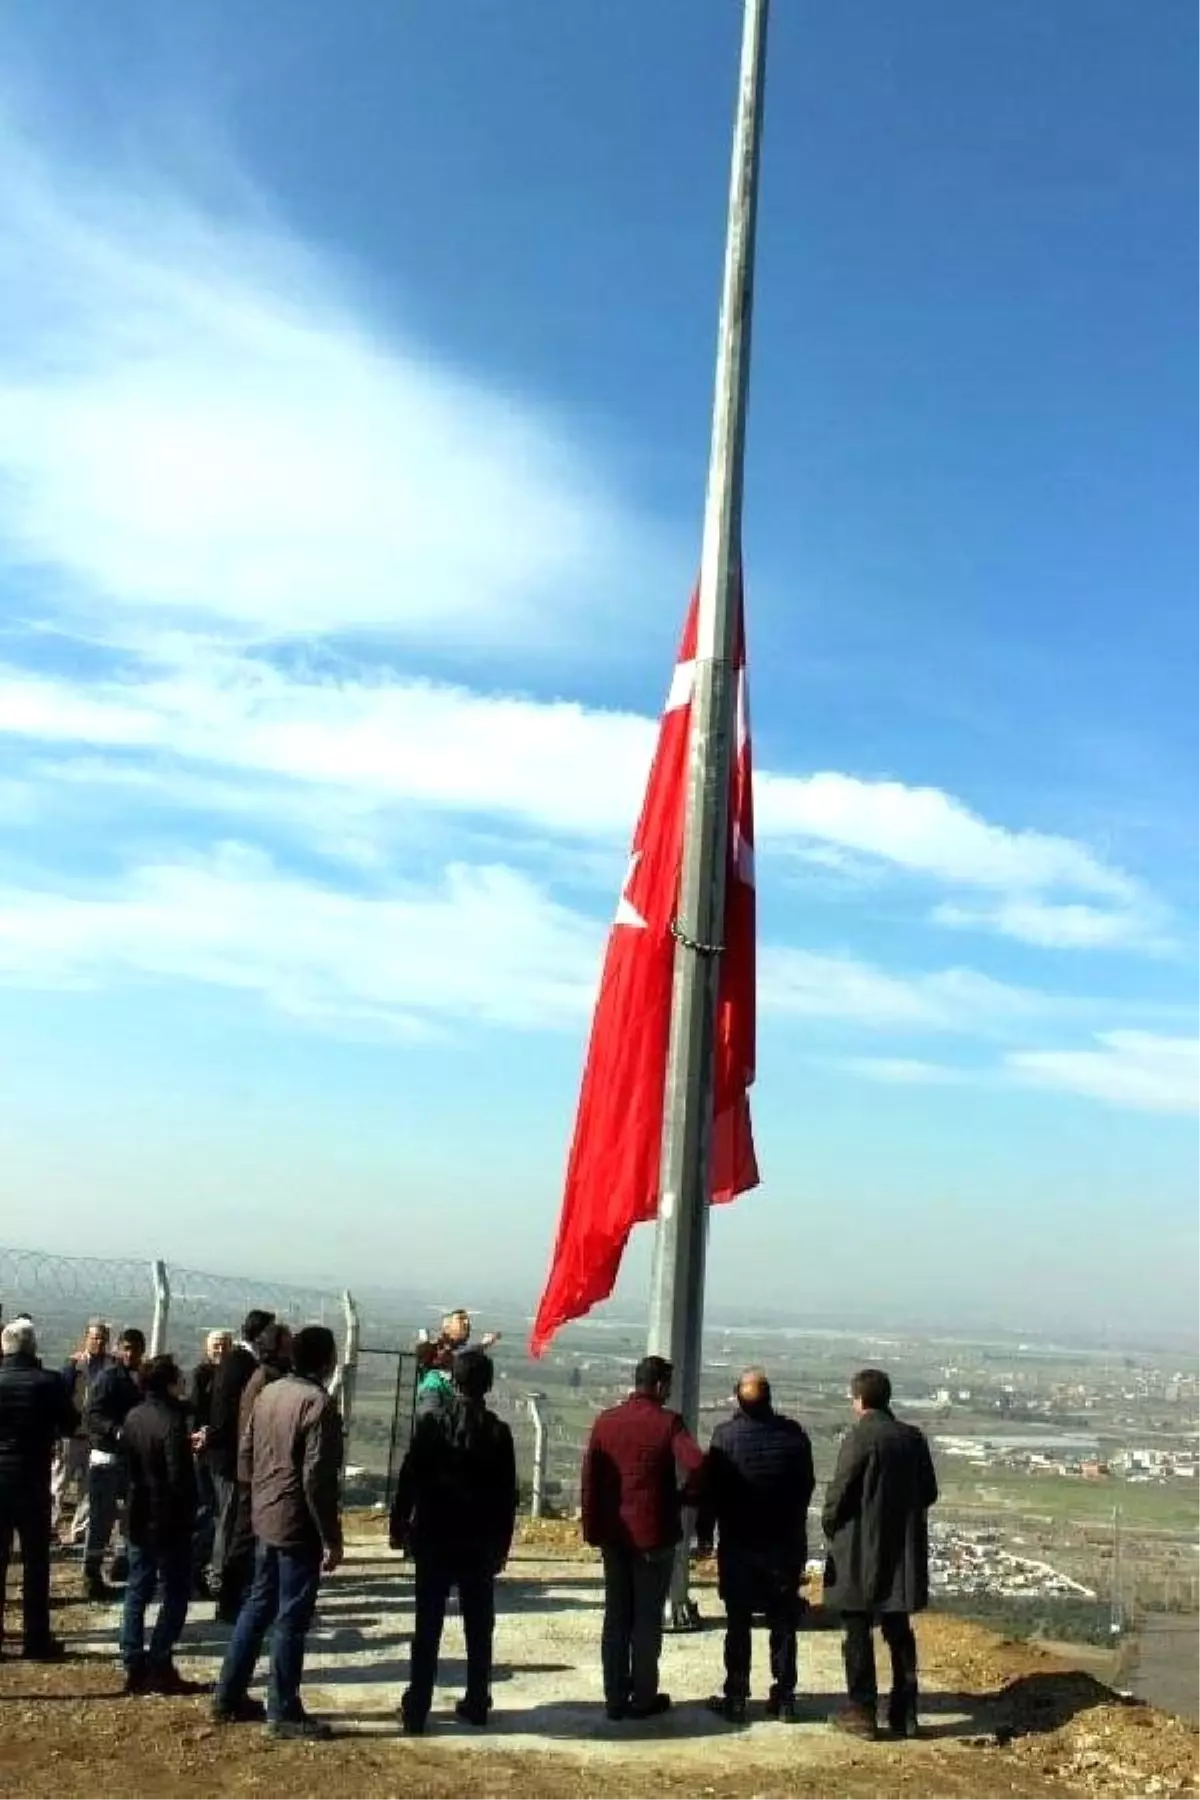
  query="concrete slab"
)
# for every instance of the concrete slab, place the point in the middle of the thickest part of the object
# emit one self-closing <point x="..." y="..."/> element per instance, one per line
<point x="546" y="1685"/>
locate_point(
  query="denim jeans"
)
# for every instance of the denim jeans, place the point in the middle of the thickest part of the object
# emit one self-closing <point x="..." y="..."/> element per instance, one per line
<point x="172" y="1566"/>
<point x="636" y="1585"/>
<point x="106" y="1495"/>
<point x="476" y="1585"/>
<point x="283" y="1597"/>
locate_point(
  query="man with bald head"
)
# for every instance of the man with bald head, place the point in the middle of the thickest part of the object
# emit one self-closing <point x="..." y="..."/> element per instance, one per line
<point x="757" y="1486"/>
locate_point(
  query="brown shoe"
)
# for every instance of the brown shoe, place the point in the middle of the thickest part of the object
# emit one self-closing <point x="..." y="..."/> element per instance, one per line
<point x="855" y="1721"/>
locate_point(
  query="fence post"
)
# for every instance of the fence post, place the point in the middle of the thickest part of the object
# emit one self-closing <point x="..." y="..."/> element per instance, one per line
<point x="344" y="1380"/>
<point x="538" y="1491"/>
<point x="162" y="1308"/>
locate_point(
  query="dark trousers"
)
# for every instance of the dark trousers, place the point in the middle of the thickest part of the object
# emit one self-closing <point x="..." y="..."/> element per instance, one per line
<point x="172" y="1567"/>
<point x="636" y="1585"/>
<point x="26" y="1515"/>
<point x="858" y="1654"/>
<point x="434" y="1578"/>
<point x="755" y="1581"/>
<point x="206" y="1518"/>
<point x="225" y="1488"/>
<point x="282" y="1601"/>
<point x="106" y="1497"/>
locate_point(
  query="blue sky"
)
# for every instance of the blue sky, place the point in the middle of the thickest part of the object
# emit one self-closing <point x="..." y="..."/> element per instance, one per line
<point x="354" y="390"/>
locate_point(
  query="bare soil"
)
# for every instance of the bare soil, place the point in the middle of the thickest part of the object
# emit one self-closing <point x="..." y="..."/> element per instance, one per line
<point x="1003" y="1720"/>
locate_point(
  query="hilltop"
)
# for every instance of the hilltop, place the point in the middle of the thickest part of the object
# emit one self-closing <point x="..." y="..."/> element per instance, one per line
<point x="1002" y="1719"/>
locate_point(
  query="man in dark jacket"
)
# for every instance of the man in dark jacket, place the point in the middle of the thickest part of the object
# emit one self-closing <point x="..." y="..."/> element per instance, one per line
<point x="274" y="1346"/>
<point x="114" y="1395"/>
<point x="758" y="1481"/>
<point x="162" y="1517"/>
<point x="217" y="1346"/>
<point x="455" y="1509"/>
<point x="292" y="1457"/>
<point x="35" y="1411"/>
<point x="877" y="1533"/>
<point x="632" y="1500"/>
<point x="221" y="1446"/>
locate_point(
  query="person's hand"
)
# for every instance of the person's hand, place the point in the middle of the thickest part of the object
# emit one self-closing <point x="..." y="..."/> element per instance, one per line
<point x="198" y="1440"/>
<point x="489" y="1338"/>
<point x="330" y="1561"/>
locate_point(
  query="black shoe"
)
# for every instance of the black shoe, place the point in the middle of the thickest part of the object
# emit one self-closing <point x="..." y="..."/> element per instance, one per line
<point x="239" y="1712"/>
<point x="412" y="1723"/>
<point x="167" y="1680"/>
<point x="782" y="1707"/>
<point x="45" y="1650"/>
<point x="137" y="1680"/>
<point x="616" y="1710"/>
<point x="903" y="1723"/>
<point x="726" y="1707"/>
<point x="304" y="1730"/>
<point x="472" y="1714"/>
<point x="650" y="1709"/>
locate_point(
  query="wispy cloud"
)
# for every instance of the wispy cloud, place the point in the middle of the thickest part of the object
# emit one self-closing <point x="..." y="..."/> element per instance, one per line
<point x="904" y="1071"/>
<point x="808" y="985"/>
<point x="1068" y="926"/>
<point x="201" y="424"/>
<point x="1139" y="1069"/>
<point x="479" y="945"/>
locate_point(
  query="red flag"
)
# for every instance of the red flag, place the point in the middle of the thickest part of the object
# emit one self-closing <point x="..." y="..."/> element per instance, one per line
<point x="612" y="1172"/>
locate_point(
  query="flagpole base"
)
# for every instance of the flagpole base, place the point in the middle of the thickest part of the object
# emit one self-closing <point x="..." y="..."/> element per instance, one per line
<point x="682" y="1615"/>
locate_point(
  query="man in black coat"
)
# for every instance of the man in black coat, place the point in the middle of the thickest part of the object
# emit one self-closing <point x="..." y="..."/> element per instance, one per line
<point x="221" y="1446"/>
<point x="455" y="1509"/>
<point x="757" y="1483"/>
<point x="156" y="1441"/>
<point x="35" y="1411"/>
<point x="876" y="1529"/>
<point x="113" y="1396"/>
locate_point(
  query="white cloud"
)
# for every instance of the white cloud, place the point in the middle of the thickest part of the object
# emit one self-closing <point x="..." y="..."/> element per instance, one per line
<point x="805" y="984"/>
<point x="554" y="767"/>
<point x="481" y="945"/>
<point x="928" y="832"/>
<point x="1074" y="926"/>
<point x="904" y="1071"/>
<point x="1139" y="1069"/>
<point x="197" y="423"/>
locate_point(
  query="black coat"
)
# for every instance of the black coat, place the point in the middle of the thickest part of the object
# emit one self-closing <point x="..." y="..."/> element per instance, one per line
<point x="35" y="1411"/>
<point x="200" y="1392"/>
<point x="456" y="1495"/>
<point x="233" y="1372"/>
<point x="757" y="1484"/>
<point x="874" y="1518"/>
<point x="162" y="1474"/>
<point x="111" y="1399"/>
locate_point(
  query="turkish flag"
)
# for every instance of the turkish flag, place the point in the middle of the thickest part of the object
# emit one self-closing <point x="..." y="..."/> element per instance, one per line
<point x="613" y="1169"/>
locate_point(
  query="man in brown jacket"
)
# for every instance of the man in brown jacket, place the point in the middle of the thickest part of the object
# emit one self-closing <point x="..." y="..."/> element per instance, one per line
<point x="291" y="1456"/>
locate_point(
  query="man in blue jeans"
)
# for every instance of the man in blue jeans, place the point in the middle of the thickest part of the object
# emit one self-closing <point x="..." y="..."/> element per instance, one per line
<point x="291" y="1457"/>
<point x="157" y="1451"/>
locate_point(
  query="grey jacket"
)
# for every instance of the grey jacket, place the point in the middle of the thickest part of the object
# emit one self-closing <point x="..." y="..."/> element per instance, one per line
<point x="291" y="1457"/>
<point x="874" y="1518"/>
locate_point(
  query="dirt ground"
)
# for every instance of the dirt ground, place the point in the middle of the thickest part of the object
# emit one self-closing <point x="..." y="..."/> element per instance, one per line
<point x="1001" y="1719"/>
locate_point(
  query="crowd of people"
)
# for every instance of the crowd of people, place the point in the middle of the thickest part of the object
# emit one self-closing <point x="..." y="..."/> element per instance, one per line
<point x="225" y="1486"/>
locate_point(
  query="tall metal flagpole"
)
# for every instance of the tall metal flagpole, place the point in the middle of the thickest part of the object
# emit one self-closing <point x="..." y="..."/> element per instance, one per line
<point x="677" y="1281"/>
